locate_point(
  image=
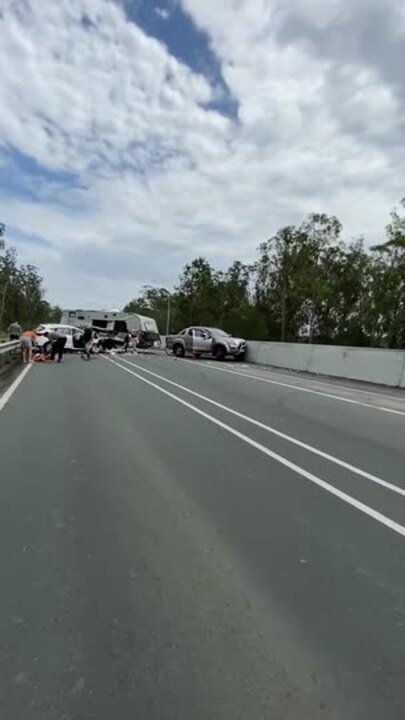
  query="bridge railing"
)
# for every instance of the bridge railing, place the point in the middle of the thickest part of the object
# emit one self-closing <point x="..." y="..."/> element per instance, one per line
<point x="10" y="354"/>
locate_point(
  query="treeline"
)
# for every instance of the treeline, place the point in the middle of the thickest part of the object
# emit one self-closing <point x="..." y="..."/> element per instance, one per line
<point x="22" y="296"/>
<point x="306" y="285"/>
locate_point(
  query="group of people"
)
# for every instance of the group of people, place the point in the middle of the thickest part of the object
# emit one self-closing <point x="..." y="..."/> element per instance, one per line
<point x="49" y="345"/>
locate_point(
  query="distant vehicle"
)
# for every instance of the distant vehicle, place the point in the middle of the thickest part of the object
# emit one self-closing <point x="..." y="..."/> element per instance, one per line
<point x="73" y="334"/>
<point x="116" y="323"/>
<point x="206" y="341"/>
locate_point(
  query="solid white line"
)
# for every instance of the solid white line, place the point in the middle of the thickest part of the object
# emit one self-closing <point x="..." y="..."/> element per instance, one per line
<point x="268" y="428"/>
<point x="13" y="387"/>
<point x="297" y="387"/>
<point x="273" y="370"/>
<point x="374" y="514"/>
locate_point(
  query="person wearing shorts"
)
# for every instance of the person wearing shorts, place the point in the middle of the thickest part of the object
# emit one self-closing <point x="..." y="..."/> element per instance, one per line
<point x="26" y="341"/>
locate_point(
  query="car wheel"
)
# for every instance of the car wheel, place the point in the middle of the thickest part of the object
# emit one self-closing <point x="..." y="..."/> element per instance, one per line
<point x="220" y="353"/>
<point x="178" y="351"/>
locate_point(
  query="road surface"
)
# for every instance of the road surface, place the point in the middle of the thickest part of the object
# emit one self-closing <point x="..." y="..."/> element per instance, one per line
<point x="184" y="539"/>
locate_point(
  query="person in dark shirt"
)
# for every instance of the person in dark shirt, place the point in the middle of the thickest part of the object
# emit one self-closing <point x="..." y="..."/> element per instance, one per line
<point x="58" y="344"/>
<point x="87" y="339"/>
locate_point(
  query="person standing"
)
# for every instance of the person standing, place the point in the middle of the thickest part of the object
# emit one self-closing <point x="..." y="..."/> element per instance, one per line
<point x="14" y="331"/>
<point x="127" y="341"/>
<point x="58" y="344"/>
<point x="87" y="340"/>
<point x="26" y="341"/>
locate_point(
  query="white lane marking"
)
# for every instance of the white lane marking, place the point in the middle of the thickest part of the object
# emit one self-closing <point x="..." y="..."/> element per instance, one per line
<point x="274" y="431"/>
<point x="274" y="371"/>
<point x="362" y="507"/>
<point x="13" y="387"/>
<point x="297" y="387"/>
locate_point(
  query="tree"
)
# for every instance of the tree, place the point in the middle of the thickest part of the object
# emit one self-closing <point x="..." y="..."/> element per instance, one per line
<point x="290" y="282"/>
<point x="154" y="302"/>
<point x="199" y="296"/>
<point x="306" y="285"/>
<point x="389" y="283"/>
<point x="21" y="290"/>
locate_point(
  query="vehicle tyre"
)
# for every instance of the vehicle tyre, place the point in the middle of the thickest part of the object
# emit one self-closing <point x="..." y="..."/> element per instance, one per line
<point x="220" y="353"/>
<point x="178" y="351"/>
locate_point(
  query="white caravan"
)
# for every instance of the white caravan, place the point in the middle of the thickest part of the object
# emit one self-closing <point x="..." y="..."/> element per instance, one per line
<point x="115" y="322"/>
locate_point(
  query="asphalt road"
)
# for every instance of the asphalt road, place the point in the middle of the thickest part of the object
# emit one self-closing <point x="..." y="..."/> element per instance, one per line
<point x="195" y="540"/>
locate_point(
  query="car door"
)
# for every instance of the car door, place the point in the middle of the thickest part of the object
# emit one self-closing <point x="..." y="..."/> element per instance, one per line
<point x="202" y="340"/>
<point x="67" y="332"/>
<point x="189" y="340"/>
<point x="77" y="339"/>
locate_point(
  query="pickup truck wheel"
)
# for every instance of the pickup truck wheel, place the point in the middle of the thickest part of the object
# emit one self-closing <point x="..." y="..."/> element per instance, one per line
<point x="220" y="353"/>
<point x="178" y="351"/>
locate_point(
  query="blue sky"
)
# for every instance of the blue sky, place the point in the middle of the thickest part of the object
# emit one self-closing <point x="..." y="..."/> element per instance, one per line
<point x="139" y="134"/>
<point x="169" y="23"/>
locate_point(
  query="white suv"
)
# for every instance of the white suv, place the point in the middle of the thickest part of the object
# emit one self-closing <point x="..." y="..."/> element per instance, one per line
<point x="73" y="334"/>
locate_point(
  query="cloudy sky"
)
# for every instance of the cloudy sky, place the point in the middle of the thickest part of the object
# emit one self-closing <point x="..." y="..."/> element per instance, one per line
<point x="135" y="135"/>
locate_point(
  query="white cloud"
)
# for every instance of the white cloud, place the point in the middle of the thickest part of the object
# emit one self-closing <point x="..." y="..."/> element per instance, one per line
<point x="160" y="176"/>
<point x="163" y="13"/>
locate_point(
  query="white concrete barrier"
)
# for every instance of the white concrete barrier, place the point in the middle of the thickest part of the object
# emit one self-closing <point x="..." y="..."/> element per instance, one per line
<point x="375" y="366"/>
<point x="402" y="381"/>
<point x="292" y="356"/>
<point x="383" y="367"/>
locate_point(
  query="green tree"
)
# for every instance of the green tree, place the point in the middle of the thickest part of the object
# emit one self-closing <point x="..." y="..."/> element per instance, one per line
<point x="307" y="284"/>
<point x="199" y="296"/>
<point x="389" y="283"/>
<point x="289" y="279"/>
<point x="21" y="290"/>
<point x="154" y="302"/>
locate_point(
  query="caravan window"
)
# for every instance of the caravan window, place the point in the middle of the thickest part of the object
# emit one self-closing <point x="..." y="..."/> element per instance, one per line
<point x="120" y="326"/>
<point x="99" y="323"/>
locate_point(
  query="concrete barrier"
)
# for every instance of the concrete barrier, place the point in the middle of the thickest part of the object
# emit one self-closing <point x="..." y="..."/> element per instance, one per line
<point x="402" y="381"/>
<point x="292" y="356"/>
<point x="383" y="367"/>
<point x="375" y="366"/>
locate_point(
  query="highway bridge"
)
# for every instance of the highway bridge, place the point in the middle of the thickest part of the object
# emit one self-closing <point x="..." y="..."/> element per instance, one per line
<point x="190" y="540"/>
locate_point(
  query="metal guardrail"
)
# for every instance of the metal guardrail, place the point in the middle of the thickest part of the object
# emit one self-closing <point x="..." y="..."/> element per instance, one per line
<point x="7" y="346"/>
<point x="10" y="354"/>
